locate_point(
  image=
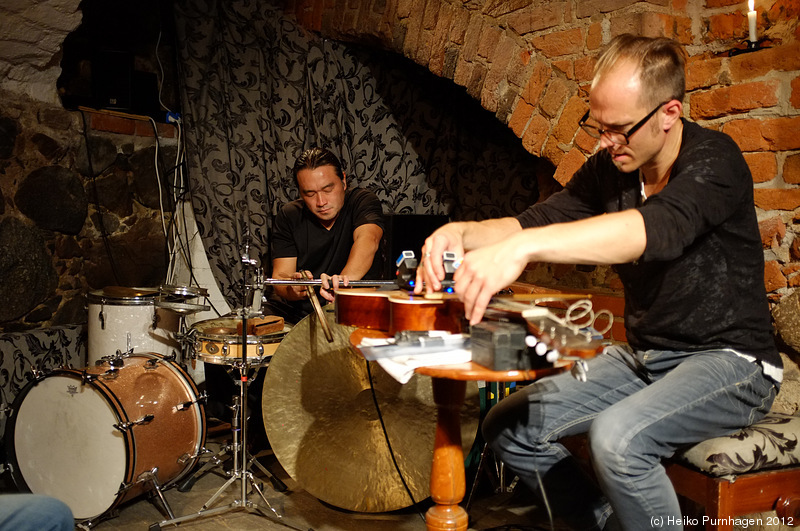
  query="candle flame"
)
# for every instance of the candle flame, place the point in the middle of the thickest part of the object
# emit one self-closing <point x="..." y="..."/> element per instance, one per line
<point x="751" y="5"/>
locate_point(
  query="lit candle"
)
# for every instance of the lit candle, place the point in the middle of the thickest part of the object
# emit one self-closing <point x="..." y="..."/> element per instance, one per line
<point x="751" y="19"/>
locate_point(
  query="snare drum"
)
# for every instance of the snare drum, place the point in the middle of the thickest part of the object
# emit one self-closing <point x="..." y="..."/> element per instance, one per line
<point x="122" y="318"/>
<point x="90" y="438"/>
<point x="216" y="341"/>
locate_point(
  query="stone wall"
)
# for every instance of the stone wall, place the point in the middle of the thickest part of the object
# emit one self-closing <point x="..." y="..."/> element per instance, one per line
<point x="75" y="219"/>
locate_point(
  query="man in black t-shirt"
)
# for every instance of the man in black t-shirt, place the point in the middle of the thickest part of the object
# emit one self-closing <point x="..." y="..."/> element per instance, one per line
<point x="332" y="231"/>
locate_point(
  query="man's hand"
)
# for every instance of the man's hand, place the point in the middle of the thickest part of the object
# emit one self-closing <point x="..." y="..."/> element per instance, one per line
<point x="430" y="269"/>
<point x="484" y="272"/>
<point x="330" y="283"/>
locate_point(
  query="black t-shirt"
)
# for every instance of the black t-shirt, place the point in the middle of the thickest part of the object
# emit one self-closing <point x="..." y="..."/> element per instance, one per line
<point x="298" y="233"/>
<point x="700" y="282"/>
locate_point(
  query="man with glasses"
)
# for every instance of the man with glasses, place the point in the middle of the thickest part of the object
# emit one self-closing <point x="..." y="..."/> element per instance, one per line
<point x="670" y="205"/>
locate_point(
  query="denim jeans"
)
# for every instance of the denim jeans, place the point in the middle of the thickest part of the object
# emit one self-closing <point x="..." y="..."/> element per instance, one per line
<point x="34" y="512"/>
<point x="637" y="409"/>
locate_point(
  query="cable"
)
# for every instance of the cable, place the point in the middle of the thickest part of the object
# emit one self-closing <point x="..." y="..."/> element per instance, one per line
<point x="101" y="224"/>
<point x="388" y="442"/>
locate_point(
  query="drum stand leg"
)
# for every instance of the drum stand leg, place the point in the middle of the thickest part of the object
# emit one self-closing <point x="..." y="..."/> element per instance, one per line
<point x="239" y="472"/>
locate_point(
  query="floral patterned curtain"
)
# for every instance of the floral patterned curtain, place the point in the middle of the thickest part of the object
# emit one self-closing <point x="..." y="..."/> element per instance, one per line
<point x="258" y="89"/>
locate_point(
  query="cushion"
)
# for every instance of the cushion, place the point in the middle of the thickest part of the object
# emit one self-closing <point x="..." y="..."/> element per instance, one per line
<point x="769" y="443"/>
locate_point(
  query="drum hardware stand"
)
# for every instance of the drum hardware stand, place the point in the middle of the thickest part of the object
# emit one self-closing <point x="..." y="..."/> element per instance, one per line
<point x="240" y="455"/>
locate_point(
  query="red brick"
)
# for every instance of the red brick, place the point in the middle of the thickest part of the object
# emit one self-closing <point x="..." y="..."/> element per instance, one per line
<point x="537" y="18"/>
<point x="473" y="35"/>
<point x="594" y="36"/>
<point x="585" y="142"/>
<point x="726" y="27"/>
<point x="440" y="39"/>
<point x="564" y="131"/>
<point x="663" y="25"/>
<point x="679" y="6"/>
<point x="773" y="278"/>
<point x="458" y="30"/>
<point x="763" y="166"/>
<point x="795" y="97"/>
<point x="584" y="68"/>
<point x="112" y="124"/>
<point x="794" y="249"/>
<point x="560" y="43"/>
<point x="554" y="97"/>
<point x="790" y="269"/>
<point x="734" y="100"/>
<point x="569" y="165"/>
<point x="746" y="66"/>
<point x="463" y="71"/>
<point x="488" y="41"/>
<point x="772" y="230"/>
<point x="553" y="151"/>
<point x="567" y="66"/>
<point x="791" y="169"/>
<point x="783" y="134"/>
<point x="588" y="8"/>
<point x="518" y="70"/>
<point x="777" y="199"/>
<point x="536" y="83"/>
<point x="722" y="3"/>
<point x="702" y="72"/>
<point x="536" y="134"/>
<point x="773" y="134"/>
<point x="519" y="118"/>
<point x="500" y="59"/>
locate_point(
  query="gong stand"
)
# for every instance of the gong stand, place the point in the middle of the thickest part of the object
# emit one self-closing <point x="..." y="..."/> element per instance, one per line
<point x="240" y="469"/>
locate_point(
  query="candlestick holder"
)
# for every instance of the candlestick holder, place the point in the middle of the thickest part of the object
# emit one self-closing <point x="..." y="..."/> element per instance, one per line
<point x="751" y="46"/>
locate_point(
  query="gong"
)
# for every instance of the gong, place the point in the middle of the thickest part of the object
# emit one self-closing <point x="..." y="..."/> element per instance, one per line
<point x="324" y="427"/>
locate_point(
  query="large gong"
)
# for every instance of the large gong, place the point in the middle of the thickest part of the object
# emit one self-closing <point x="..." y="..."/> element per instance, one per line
<point x="326" y="432"/>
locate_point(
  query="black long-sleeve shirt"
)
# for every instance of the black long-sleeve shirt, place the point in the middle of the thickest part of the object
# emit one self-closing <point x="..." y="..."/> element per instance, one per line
<point x="700" y="282"/>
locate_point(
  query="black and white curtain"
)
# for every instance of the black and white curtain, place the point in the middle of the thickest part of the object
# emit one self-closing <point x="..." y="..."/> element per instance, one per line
<point x="257" y="90"/>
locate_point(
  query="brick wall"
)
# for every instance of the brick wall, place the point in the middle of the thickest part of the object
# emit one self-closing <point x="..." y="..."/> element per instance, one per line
<point x="530" y="62"/>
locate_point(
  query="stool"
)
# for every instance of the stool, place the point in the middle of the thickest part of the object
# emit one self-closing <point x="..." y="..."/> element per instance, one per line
<point x="756" y="469"/>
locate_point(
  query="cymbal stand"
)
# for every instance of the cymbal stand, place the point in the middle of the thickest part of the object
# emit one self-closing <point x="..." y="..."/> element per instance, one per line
<point x="240" y="470"/>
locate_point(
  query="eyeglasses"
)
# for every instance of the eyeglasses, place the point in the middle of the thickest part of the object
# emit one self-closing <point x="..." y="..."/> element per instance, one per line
<point x="617" y="137"/>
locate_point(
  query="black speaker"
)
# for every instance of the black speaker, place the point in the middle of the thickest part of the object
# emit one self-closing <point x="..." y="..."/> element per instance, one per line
<point x="407" y="232"/>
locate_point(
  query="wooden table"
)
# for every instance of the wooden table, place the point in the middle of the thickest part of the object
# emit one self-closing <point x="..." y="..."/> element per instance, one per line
<point x="448" y="483"/>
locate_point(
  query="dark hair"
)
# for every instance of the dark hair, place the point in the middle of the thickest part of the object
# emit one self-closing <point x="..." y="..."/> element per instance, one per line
<point x="661" y="64"/>
<point x="315" y="157"/>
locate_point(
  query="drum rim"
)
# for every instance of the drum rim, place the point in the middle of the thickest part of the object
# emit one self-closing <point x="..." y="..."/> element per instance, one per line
<point x="98" y="297"/>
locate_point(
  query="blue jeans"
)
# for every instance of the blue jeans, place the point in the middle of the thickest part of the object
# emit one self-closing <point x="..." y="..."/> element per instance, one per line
<point x="34" y="512"/>
<point x="637" y="409"/>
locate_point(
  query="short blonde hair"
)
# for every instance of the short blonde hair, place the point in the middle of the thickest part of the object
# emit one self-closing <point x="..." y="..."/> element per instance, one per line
<point x="661" y="63"/>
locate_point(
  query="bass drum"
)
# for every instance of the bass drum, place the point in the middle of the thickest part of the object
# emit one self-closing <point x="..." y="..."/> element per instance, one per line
<point x="324" y="427"/>
<point x="90" y="438"/>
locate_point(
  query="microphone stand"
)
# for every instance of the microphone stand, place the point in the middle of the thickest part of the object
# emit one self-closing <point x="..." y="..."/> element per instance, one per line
<point x="239" y="445"/>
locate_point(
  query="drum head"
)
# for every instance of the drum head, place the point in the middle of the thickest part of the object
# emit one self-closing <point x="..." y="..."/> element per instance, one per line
<point x="326" y="432"/>
<point x="65" y="446"/>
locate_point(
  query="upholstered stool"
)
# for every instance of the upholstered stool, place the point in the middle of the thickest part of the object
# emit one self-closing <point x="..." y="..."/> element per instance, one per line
<point x="754" y="470"/>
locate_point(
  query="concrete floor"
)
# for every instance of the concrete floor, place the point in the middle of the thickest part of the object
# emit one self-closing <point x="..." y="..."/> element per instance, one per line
<point x="295" y="508"/>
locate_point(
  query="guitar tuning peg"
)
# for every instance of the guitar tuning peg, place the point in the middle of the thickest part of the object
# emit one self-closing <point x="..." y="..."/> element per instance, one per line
<point x="579" y="370"/>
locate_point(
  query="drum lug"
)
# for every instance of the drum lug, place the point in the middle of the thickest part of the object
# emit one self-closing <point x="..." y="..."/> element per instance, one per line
<point x="102" y="317"/>
<point x="260" y="349"/>
<point x="111" y="374"/>
<point x="87" y="378"/>
<point x="151" y="364"/>
<point x="156" y="318"/>
<point x="225" y="349"/>
<point x="187" y="405"/>
<point x="124" y="426"/>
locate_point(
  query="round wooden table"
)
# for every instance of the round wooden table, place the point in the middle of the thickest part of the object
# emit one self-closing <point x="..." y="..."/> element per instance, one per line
<point x="448" y="482"/>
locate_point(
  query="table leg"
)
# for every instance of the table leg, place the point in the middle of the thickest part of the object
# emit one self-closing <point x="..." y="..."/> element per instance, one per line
<point x="447" y="472"/>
